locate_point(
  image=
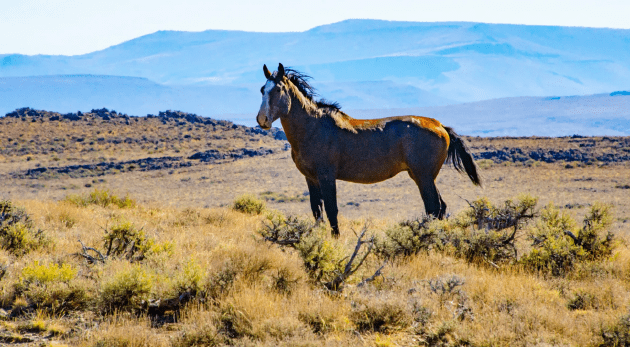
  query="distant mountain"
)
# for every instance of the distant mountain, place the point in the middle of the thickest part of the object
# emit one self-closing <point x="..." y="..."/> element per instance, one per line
<point x="590" y="115"/>
<point x="363" y="64"/>
<point x="455" y="61"/>
<point x="133" y="95"/>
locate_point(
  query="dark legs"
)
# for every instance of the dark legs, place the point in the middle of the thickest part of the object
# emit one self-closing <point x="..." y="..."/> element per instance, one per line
<point x="329" y="194"/>
<point x="316" y="200"/>
<point x="433" y="203"/>
<point x="324" y="193"/>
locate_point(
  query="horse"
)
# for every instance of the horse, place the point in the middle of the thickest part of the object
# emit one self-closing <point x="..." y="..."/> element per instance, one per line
<point x="328" y="145"/>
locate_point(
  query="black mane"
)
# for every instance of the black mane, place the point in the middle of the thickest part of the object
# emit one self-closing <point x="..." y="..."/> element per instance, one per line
<point x="300" y="80"/>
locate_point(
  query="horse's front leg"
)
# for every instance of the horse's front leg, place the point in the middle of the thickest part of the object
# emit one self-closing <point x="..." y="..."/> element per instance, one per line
<point x="328" y="188"/>
<point x="315" y="195"/>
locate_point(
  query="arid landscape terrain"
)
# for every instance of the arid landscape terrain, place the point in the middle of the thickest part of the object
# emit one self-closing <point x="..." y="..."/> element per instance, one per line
<point x="167" y="258"/>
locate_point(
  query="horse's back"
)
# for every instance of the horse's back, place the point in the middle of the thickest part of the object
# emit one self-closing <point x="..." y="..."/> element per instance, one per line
<point x="425" y="123"/>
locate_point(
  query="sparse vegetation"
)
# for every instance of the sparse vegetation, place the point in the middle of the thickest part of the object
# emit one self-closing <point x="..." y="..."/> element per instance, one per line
<point x="182" y="272"/>
<point x="248" y="204"/>
<point x="101" y="198"/>
<point x="17" y="234"/>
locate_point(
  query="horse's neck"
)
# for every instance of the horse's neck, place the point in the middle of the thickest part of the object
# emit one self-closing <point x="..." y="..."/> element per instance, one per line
<point x="299" y="123"/>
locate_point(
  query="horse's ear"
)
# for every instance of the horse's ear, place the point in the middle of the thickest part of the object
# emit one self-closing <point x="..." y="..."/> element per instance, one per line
<point x="280" y="72"/>
<point x="266" y="71"/>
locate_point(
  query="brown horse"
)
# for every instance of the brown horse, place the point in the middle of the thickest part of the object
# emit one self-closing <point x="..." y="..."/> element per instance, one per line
<point x="329" y="145"/>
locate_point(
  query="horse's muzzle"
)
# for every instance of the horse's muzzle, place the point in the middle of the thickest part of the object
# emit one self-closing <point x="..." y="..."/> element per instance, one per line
<point x="263" y="122"/>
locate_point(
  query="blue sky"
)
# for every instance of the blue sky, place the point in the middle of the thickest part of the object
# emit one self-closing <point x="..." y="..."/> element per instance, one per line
<point x="72" y="27"/>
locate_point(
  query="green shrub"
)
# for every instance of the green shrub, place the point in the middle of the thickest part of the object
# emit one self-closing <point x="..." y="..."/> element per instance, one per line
<point x="411" y="237"/>
<point x="484" y="215"/>
<point x="43" y="274"/>
<point x="126" y="241"/>
<point x="16" y="230"/>
<point x="101" y="198"/>
<point x="191" y="279"/>
<point x="482" y="233"/>
<point x="285" y="231"/>
<point x="322" y="259"/>
<point x="248" y="204"/>
<point x="49" y="287"/>
<point x="558" y="244"/>
<point x="126" y="290"/>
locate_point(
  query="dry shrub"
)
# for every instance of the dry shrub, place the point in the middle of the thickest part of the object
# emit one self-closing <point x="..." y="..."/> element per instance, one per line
<point x="248" y="204"/>
<point x="126" y="241"/>
<point x="411" y="237"/>
<point x="17" y="234"/>
<point x="558" y="244"/>
<point x="380" y="312"/>
<point x="126" y="334"/>
<point x="126" y="290"/>
<point x="202" y="333"/>
<point x="322" y="258"/>
<point x="252" y="312"/>
<point x="583" y="300"/>
<point x="324" y="313"/>
<point x="617" y="334"/>
<point x="483" y="232"/>
<point x="103" y="198"/>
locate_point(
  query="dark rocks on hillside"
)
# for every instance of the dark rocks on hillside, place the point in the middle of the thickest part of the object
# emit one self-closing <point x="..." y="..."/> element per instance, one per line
<point x="214" y="155"/>
<point x="551" y="156"/>
<point x="169" y="116"/>
<point x="98" y="169"/>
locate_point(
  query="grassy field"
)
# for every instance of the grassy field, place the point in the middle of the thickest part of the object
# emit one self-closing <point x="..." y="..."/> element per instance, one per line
<point x="159" y="255"/>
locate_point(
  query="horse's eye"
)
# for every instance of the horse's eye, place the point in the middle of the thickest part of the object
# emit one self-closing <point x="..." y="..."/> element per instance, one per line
<point x="262" y="90"/>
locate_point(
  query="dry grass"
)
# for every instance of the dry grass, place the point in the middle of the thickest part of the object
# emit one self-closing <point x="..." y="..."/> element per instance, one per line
<point x="233" y="288"/>
<point x="234" y="274"/>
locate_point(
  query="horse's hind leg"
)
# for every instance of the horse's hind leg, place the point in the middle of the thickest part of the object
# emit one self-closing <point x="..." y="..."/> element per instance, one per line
<point x="433" y="203"/>
<point x="315" y="196"/>
<point x="328" y="188"/>
<point x="442" y="207"/>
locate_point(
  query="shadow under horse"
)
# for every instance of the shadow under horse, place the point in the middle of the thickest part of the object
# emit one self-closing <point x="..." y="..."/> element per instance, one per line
<point x="328" y="145"/>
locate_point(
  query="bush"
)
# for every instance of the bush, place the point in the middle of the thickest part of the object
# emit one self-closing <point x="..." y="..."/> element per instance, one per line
<point x="411" y="237"/>
<point x="485" y="216"/>
<point x="124" y="240"/>
<point x="380" y="314"/>
<point x="48" y="287"/>
<point x="126" y="290"/>
<point x="191" y="279"/>
<point x="482" y="233"/>
<point x="248" y="204"/>
<point x="617" y="334"/>
<point x="321" y="258"/>
<point x="16" y="230"/>
<point x="101" y="198"/>
<point x="557" y="249"/>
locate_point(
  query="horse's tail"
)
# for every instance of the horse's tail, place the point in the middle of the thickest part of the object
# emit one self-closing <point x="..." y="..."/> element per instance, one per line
<point x="461" y="159"/>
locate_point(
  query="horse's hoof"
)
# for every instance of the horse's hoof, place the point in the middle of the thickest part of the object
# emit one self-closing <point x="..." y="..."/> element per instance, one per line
<point x="335" y="233"/>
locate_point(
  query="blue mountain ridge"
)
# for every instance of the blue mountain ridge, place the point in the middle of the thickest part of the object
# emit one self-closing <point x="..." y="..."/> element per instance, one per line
<point x="364" y="64"/>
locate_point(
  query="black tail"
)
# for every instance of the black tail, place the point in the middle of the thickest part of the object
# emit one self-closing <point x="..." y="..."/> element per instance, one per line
<point x="461" y="159"/>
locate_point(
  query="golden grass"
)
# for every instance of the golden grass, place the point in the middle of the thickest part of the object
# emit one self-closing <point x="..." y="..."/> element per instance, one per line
<point x="505" y="307"/>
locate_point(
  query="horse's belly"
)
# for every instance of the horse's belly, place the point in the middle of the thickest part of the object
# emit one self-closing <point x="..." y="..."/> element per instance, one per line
<point x="368" y="175"/>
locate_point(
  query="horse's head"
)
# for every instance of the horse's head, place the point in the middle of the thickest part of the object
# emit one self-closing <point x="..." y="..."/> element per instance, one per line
<point x="276" y="101"/>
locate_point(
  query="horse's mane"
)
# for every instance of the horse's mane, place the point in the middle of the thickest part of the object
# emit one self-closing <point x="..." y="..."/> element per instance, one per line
<point x="301" y="81"/>
<point x="330" y="109"/>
